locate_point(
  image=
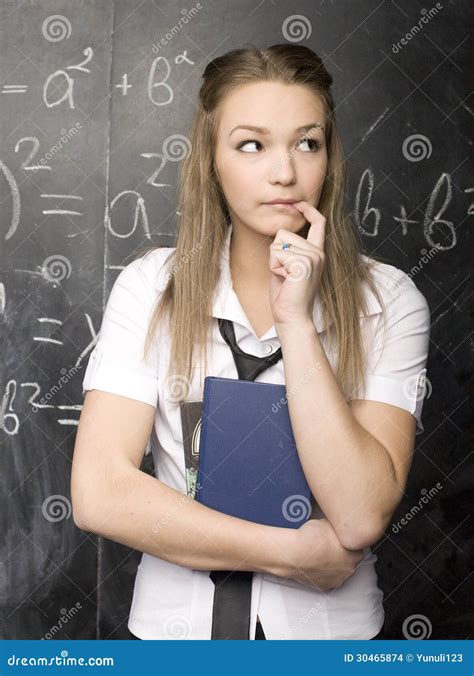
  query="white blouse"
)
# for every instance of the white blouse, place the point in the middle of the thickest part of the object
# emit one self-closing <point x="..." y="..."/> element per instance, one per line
<point x="175" y="602"/>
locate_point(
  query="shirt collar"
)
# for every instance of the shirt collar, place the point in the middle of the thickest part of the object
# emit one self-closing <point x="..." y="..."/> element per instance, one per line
<point x="227" y="305"/>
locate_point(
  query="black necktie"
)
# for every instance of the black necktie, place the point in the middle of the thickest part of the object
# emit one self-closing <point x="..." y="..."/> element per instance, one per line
<point x="233" y="589"/>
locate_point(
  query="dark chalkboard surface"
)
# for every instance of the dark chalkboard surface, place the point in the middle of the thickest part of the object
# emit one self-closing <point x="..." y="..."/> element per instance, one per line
<point x="96" y="101"/>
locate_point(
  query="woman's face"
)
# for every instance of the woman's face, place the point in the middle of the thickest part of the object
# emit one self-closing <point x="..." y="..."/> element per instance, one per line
<point x="277" y="162"/>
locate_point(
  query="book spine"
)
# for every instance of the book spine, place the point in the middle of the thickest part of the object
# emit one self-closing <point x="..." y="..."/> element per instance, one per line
<point x="202" y="440"/>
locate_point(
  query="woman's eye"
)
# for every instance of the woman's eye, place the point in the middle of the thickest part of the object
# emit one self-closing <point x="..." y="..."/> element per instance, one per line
<point x="316" y="144"/>
<point x="246" y="143"/>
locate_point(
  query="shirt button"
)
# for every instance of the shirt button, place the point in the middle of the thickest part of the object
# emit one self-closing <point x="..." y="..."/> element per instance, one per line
<point x="268" y="348"/>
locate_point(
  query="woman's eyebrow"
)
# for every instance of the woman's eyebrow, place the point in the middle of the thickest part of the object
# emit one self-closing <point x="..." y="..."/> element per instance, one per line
<point x="264" y="130"/>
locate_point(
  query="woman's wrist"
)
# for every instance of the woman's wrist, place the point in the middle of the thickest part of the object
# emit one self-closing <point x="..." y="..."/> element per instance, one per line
<point x="277" y="551"/>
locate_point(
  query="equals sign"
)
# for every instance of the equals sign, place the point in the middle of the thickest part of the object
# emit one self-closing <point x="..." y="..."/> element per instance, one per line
<point x="14" y="89"/>
<point x="62" y="211"/>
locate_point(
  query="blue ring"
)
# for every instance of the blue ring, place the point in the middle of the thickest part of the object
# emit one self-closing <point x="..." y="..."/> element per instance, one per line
<point x="285" y="245"/>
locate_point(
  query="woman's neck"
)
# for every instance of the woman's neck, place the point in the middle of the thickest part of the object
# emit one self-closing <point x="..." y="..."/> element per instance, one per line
<point x="249" y="257"/>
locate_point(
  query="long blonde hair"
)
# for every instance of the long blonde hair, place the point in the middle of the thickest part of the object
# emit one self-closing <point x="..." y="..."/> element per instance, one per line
<point x="204" y="219"/>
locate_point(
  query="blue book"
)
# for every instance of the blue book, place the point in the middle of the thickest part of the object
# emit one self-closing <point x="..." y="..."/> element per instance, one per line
<point x="248" y="461"/>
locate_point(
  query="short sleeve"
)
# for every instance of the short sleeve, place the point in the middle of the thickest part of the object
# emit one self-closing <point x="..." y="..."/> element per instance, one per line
<point x="399" y="351"/>
<point x="117" y="363"/>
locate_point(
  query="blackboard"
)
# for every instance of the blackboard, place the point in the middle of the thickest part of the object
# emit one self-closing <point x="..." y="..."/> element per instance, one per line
<point x="96" y="102"/>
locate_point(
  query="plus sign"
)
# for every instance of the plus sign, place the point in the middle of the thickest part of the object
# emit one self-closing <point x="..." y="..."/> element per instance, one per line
<point x="124" y="85"/>
<point x="404" y="220"/>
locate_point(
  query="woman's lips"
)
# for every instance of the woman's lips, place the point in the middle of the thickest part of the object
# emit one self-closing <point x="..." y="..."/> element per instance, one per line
<point x="283" y="205"/>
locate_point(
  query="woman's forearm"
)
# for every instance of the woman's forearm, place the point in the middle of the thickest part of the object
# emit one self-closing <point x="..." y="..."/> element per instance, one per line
<point x="350" y="473"/>
<point x="145" y="514"/>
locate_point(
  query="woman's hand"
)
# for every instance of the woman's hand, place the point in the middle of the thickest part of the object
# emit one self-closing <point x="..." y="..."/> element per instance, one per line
<point x="315" y="557"/>
<point x="297" y="271"/>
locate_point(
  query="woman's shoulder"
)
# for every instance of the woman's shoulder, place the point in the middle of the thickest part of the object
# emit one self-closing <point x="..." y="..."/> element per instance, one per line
<point x="150" y="269"/>
<point x="395" y="286"/>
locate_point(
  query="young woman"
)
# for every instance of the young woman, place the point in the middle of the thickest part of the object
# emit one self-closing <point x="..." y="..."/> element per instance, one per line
<point x="263" y="241"/>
